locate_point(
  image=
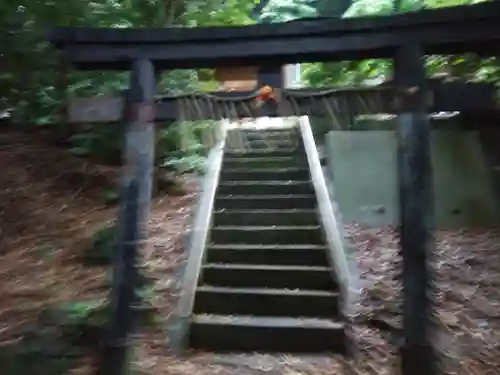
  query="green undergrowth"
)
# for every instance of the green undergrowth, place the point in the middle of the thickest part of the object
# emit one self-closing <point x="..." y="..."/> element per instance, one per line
<point x="102" y="247"/>
<point x="63" y="333"/>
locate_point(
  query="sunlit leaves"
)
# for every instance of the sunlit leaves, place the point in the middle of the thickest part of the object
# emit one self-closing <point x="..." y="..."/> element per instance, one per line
<point x="287" y="10"/>
<point x="467" y="67"/>
<point x="361" y="8"/>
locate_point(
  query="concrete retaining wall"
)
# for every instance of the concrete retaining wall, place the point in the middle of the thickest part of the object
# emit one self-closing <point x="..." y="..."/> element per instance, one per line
<point x="363" y="166"/>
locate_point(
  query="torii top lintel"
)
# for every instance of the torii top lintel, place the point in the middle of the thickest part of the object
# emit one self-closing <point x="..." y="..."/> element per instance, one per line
<point x="472" y="28"/>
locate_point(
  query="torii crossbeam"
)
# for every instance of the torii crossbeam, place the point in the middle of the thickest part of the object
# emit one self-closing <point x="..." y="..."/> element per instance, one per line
<point x="443" y="31"/>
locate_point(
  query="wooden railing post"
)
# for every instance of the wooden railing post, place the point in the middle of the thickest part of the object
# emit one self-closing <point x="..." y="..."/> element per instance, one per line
<point x="133" y="215"/>
<point x="416" y="207"/>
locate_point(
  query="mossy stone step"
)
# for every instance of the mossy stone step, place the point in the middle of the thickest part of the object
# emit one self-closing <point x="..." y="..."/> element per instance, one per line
<point x="247" y="202"/>
<point x="265" y="187"/>
<point x="265" y="162"/>
<point x="268" y="276"/>
<point x="267" y="235"/>
<point x="267" y="217"/>
<point x="265" y="174"/>
<point x="266" y="334"/>
<point x="265" y="302"/>
<point x="305" y="255"/>
<point x="290" y="152"/>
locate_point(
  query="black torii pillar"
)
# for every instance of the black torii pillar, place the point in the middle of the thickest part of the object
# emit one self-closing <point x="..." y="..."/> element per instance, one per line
<point x="416" y="207"/>
<point x="133" y="216"/>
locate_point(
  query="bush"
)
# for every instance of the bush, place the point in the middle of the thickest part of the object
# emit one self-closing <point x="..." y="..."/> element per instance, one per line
<point x="85" y="323"/>
<point x="102" y="247"/>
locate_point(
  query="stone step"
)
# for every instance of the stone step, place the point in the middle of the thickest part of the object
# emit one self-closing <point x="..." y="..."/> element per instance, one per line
<point x="268" y="276"/>
<point x="272" y="162"/>
<point x="293" y="255"/>
<point x="266" y="334"/>
<point x="265" y="217"/>
<point x="271" y="144"/>
<point x="265" y="187"/>
<point x="264" y="153"/>
<point x="267" y="235"/>
<point x="265" y="174"/>
<point x="251" y="135"/>
<point x="272" y="202"/>
<point x="266" y="132"/>
<point x="265" y="302"/>
<point x="268" y="136"/>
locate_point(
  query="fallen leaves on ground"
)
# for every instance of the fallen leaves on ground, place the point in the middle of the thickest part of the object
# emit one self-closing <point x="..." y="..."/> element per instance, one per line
<point x="51" y="203"/>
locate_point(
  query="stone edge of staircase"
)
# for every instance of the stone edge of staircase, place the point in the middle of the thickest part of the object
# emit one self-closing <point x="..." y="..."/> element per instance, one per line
<point x="179" y="322"/>
<point x="348" y="276"/>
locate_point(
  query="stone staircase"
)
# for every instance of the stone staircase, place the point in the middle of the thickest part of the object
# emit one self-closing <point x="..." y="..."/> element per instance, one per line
<point x="265" y="282"/>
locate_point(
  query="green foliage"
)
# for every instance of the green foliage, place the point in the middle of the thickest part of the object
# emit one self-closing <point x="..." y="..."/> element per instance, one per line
<point x="35" y="84"/>
<point x="102" y="142"/>
<point x="288" y="10"/>
<point x="78" y="317"/>
<point x="110" y="196"/>
<point x="51" y="346"/>
<point x="43" y="352"/>
<point x="64" y="332"/>
<point x="102" y="247"/>
<point x="351" y="73"/>
<point x="218" y="13"/>
<point x="181" y="146"/>
<point x="74" y="313"/>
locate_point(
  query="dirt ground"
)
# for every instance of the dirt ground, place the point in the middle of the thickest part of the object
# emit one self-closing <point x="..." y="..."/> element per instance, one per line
<point x="51" y="203"/>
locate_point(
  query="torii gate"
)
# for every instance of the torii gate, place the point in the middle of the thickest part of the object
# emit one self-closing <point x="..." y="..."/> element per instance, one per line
<point x="404" y="38"/>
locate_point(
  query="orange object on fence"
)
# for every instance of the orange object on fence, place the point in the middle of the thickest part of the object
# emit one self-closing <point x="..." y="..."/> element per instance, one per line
<point x="265" y="94"/>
